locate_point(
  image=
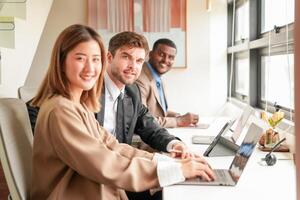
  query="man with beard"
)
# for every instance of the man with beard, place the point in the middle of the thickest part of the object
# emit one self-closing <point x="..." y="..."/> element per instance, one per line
<point x="161" y="60"/>
<point x="122" y="112"/>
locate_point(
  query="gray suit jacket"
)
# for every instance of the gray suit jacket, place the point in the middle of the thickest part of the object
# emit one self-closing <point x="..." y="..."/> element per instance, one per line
<point x="137" y="119"/>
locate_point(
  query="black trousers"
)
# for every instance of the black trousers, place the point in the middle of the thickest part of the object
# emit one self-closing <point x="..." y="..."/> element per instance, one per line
<point x="144" y="195"/>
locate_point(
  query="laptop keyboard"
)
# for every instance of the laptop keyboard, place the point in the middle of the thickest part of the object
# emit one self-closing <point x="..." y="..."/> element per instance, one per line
<point x="222" y="178"/>
<point x="221" y="175"/>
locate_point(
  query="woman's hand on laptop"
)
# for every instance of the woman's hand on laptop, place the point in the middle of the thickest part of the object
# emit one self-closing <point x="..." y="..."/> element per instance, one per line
<point x="197" y="167"/>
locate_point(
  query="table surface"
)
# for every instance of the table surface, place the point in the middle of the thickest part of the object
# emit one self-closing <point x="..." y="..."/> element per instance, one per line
<point x="258" y="181"/>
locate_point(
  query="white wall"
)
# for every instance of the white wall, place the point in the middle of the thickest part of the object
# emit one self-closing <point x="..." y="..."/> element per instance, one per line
<point x="62" y="14"/>
<point x="16" y="63"/>
<point x="202" y="85"/>
<point x="218" y="54"/>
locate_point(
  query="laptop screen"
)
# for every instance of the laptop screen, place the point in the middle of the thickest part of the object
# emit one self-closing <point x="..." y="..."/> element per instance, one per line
<point x="243" y="154"/>
<point x="225" y="128"/>
<point x="240" y="123"/>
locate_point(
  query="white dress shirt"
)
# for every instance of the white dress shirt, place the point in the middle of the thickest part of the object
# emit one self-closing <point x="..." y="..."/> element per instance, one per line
<point x="111" y="102"/>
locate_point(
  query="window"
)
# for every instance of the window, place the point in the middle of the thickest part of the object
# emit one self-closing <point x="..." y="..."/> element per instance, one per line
<point x="276" y="13"/>
<point x="277" y="80"/>
<point x="242" y="76"/>
<point x="262" y="56"/>
<point x="242" y="22"/>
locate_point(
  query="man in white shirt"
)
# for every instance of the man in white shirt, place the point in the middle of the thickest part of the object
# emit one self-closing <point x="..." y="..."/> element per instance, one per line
<point x="122" y="111"/>
<point x="123" y="117"/>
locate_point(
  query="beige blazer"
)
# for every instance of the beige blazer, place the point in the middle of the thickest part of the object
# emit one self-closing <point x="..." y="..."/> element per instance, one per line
<point x="74" y="158"/>
<point x="150" y="98"/>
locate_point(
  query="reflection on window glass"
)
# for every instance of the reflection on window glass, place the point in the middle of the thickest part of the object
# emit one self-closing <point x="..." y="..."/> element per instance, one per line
<point x="276" y="12"/>
<point x="278" y="79"/>
<point x="242" y="22"/>
<point x="242" y="76"/>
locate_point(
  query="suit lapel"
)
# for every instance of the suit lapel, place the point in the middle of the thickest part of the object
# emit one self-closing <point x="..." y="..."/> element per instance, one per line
<point x="100" y="115"/>
<point x="154" y="88"/>
<point x="124" y="117"/>
<point x="153" y="85"/>
<point x="165" y="96"/>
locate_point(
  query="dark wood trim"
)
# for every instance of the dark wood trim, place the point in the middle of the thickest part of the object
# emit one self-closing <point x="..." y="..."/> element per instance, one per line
<point x="3" y="185"/>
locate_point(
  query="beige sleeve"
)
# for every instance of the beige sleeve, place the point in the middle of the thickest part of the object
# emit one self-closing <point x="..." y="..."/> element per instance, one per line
<point x="102" y="159"/>
<point x="122" y="148"/>
<point x="165" y="122"/>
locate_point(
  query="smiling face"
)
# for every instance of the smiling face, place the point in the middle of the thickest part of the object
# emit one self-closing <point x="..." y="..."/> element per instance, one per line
<point x="82" y="67"/>
<point x="162" y="58"/>
<point x="125" y="66"/>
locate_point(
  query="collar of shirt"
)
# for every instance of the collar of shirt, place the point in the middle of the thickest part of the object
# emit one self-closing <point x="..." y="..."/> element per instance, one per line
<point x="154" y="73"/>
<point x="111" y="95"/>
<point x="111" y="89"/>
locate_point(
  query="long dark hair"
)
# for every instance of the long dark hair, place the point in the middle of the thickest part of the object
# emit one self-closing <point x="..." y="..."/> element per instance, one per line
<point x="56" y="82"/>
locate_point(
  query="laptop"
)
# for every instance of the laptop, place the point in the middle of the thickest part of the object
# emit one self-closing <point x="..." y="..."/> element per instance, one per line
<point x="221" y="146"/>
<point x="236" y="129"/>
<point x="230" y="177"/>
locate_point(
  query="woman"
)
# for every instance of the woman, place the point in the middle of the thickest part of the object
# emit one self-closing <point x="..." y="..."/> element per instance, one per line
<point x="75" y="158"/>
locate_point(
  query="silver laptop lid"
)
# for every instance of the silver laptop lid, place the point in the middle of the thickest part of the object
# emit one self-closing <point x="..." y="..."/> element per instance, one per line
<point x="243" y="154"/>
<point x="240" y="123"/>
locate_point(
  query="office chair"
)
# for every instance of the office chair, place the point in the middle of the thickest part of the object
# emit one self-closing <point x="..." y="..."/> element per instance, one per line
<point x="16" y="142"/>
<point x="26" y="93"/>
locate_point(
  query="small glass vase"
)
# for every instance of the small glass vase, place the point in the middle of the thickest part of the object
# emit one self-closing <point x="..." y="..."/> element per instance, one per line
<point x="271" y="137"/>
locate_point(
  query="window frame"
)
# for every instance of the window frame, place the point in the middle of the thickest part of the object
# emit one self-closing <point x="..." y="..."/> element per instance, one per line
<point x="256" y="47"/>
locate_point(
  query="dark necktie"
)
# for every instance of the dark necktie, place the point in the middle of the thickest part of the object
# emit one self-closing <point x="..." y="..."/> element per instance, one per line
<point x="119" y="118"/>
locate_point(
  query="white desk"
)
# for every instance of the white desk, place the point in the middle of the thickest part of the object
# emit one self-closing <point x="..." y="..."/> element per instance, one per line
<point x="259" y="182"/>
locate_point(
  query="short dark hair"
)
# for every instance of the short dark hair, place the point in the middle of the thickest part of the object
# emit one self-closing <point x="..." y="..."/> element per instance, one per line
<point x="128" y="39"/>
<point x="164" y="41"/>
